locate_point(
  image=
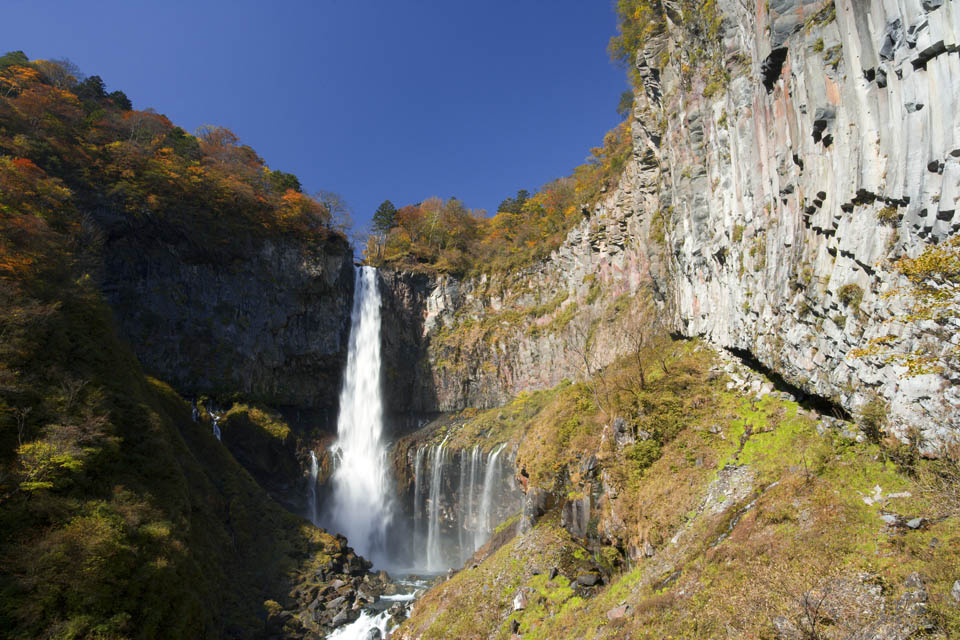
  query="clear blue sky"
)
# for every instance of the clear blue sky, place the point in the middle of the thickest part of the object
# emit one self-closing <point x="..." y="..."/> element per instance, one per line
<point x="373" y="99"/>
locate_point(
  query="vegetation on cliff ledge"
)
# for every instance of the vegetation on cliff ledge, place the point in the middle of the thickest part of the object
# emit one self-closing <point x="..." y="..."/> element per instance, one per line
<point x="437" y="236"/>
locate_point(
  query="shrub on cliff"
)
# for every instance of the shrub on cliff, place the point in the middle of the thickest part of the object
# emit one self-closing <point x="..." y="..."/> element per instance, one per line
<point x="932" y="292"/>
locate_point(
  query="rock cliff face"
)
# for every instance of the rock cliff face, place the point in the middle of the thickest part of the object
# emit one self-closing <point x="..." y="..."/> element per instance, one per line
<point x="265" y="318"/>
<point x="482" y="340"/>
<point x="761" y="210"/>
<point x="833" y="149"/>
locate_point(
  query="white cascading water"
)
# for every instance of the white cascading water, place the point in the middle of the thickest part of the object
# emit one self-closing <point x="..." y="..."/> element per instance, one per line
<point x="361" y="504"/>
<point x="463" y="492"/>
<point x="465" y="551"/>
<point x="417" y="501"/>
<point x="434" y="551"/>
<point x="484" y="527"/>
<point x="366" y="626"/>
<point x="312" y="490"/>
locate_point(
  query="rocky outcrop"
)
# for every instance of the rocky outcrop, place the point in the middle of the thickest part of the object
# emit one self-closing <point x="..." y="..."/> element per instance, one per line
<point x="408" y="388"/>
<point x="331" y="592"/>
<point x="267" y="318"/>
<point x="482" y="340"/>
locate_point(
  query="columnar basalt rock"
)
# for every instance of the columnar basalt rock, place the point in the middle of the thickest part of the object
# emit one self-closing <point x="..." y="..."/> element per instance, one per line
<point x="785" y="203"/>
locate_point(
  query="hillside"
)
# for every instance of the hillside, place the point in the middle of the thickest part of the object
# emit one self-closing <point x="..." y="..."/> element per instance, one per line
<point x="123" y="516"/>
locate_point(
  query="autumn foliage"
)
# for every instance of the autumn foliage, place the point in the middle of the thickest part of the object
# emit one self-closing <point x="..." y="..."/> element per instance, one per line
<point x="138" y="164"/>
<point x="446" y="237"/>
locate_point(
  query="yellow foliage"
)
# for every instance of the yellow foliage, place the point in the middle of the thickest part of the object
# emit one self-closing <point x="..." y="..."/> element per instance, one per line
<point x="934" y="295"/>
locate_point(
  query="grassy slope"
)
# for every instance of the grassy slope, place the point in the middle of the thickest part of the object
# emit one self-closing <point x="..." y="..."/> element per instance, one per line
<point x="808" y="533"/>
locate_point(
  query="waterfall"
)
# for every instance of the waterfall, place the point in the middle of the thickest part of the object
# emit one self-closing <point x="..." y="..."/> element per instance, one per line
<point x="434" y="551"/>
<point x="472" y="500"/>
<point x="312" y="489"/>
<point x="417" y="501"/>
<point x="463" y="491"/>
<point x="465" y="551"/>
<point x="361" y="506"/>
<point x="215" y="418"/>
<point x="484" y="527"/>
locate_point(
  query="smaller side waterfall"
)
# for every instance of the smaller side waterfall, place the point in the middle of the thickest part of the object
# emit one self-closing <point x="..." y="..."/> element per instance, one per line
<point x="434" y="552"/>
<point x="417" y="502"/>
<point x="312" y="490"/>
<point x="471" y="498"/>
<point x="459" y="496"/>
<point x="484" y="527"/>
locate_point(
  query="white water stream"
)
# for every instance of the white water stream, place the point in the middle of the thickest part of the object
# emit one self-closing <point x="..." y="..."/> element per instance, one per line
<point x="434" y="552"/>
<point x="361" y="491"/>
<point x="484" y="528"/>
<point x="312" y="490"/>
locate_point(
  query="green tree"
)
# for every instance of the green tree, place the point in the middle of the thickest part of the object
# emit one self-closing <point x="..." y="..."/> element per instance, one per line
<point x="120" y="100"/>
<point x="514" y="205"/>
<point x="282" y="181"/>
<point x="11" y="58"/>
<point x="384" y="218"/>
<point x="184" y="144"/>
<point x="625" y="106"/>
<point x="92" y="89"/>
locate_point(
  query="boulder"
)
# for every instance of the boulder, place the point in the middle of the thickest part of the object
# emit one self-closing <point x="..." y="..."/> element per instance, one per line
<point x="618" y="612"/>
<point x="589" y="579"/>
<point x="535" y="503"/>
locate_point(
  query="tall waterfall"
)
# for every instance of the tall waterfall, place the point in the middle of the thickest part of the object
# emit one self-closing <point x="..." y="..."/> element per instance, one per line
<point x="361" y="505"/>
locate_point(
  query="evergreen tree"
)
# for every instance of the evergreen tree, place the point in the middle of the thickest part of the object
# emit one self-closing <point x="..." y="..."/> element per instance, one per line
<point x="514" y="205"/>
<point x="11" y="58"/>
<point x="385" y="218"/>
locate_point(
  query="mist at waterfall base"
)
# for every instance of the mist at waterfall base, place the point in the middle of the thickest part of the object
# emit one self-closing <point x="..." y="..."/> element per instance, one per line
<point x="458" y="496"/>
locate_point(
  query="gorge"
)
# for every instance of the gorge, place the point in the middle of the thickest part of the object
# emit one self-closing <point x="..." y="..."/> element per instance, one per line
<point x="705" y="387"/>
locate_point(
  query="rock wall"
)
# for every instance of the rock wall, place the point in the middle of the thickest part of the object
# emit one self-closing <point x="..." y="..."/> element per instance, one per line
<point x="762" y="210"/>
<point x="265" y="318"/>
<point x="833" y="149"/>
<point x="477" y="342"/>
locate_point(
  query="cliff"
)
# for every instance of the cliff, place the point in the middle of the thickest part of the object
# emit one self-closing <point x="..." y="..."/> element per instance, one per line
<point x="481" y="340"/>
<point x="780" y="165"/>
<point x="264" y="317"/>
<point x="832" y="150"/>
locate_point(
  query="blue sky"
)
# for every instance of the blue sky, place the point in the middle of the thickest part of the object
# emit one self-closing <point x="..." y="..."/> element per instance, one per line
<point x="373" y="99"/>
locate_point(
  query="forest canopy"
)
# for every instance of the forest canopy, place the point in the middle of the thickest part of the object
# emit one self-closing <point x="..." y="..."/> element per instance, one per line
<point x="67" y="130"/>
